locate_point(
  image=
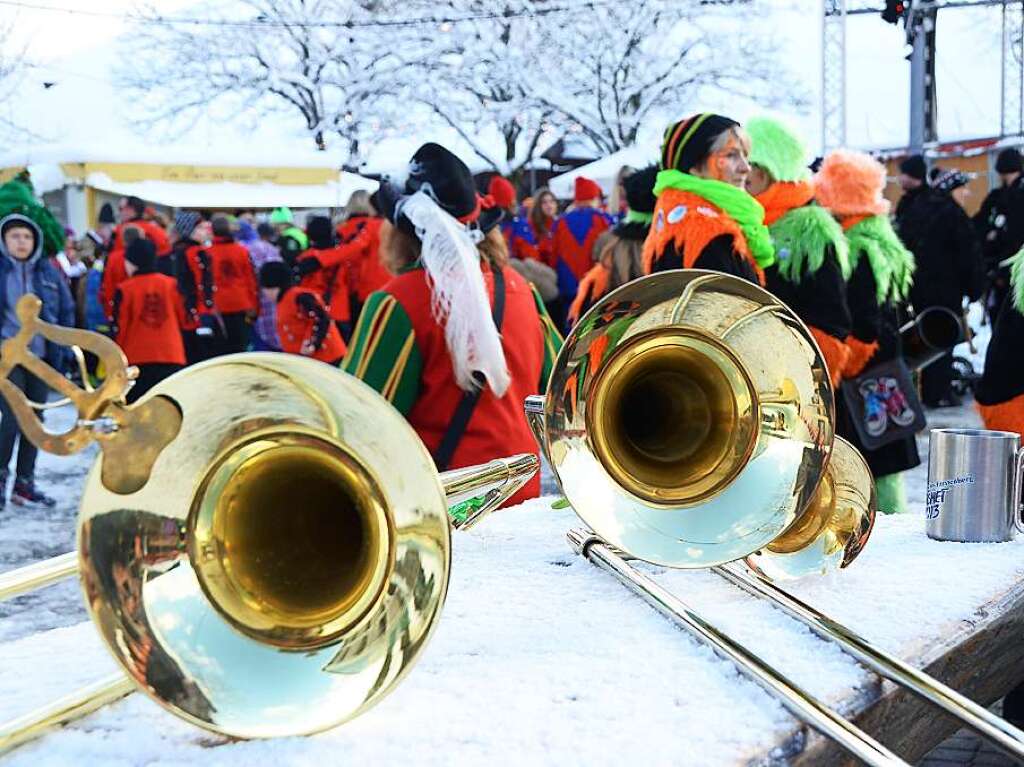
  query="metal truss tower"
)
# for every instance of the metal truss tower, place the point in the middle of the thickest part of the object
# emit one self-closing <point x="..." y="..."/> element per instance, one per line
<point x="922" y="107"/>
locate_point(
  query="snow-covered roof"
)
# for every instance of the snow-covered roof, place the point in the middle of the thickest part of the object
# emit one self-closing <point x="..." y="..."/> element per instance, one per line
<point x="605" y="170"/>
<point x="251" y="154"/>
<point x="333" y="194"/>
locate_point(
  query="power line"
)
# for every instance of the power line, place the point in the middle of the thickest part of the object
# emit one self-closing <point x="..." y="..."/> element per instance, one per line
<point x="265" y="23"/>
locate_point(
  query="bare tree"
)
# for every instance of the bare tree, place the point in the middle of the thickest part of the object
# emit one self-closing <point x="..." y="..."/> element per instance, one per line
<point x="476" y="86"/>
<point x="14" y="65"/>
<point x="312" y="59"/>
<point x="627" y="63"/>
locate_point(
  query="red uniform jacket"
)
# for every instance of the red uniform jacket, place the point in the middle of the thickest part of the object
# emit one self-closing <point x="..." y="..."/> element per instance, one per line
<point x="574" y="237"/>
<point x="360" y="239"/>
<point x="113" y="268"/>
<point x="330" y="281"/>
<point x="498" y="427"/>
<point x="302" y="317"/>
<point x="149" y="314"/>
<point x="234" y="280"/>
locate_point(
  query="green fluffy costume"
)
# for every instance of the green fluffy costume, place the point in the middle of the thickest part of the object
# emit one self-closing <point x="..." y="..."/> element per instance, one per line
<point x="802" y="231"/>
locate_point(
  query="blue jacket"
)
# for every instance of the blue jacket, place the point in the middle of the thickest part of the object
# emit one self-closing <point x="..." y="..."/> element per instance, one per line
<point x="58" y="306"/>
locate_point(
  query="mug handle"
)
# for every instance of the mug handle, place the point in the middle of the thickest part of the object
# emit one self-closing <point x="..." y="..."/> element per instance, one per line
<point x="1018" y="486"/>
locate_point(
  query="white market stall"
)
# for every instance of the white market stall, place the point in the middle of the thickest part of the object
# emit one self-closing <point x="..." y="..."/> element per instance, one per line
<point x="76" y="182"/>
<point x="605" y="170"/>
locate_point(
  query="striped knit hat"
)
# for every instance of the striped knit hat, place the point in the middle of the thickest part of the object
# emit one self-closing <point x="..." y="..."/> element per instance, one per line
<point x="687" y="143"/>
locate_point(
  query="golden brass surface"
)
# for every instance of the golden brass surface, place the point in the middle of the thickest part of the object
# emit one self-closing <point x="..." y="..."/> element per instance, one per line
<point x="834" y="527"/>
<point x="688" y="419"/>
<point x="271" y="551"/>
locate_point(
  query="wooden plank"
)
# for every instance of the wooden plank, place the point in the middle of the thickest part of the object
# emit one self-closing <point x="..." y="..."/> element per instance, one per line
<point x="982" y="658"/>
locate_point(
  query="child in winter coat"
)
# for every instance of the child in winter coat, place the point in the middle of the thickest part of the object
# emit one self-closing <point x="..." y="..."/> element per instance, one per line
<point x="148" y="315"/>
<point x="304" y="325"/>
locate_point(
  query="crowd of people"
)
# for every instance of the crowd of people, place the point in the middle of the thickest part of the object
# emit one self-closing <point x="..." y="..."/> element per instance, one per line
<point x="452" y="301"/>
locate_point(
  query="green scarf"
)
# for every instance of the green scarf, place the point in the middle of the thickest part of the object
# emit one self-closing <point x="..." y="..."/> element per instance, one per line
<point x="1017" y="281"/>
<point x="802" y="237"/>
<point x="738" y="205"/>
<point x="891" y="264"/>
<point x="638" y="217"/>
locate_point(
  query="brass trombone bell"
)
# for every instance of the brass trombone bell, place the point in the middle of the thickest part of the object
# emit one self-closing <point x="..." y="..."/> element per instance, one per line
<point x="688" y="419"/>
<point x="276" y="559"/>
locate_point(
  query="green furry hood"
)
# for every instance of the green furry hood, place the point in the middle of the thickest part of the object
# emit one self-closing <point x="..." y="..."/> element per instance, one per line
<point x="777" y="149"/>
<point x="891" y="264"/>
<point x="802" y="237"/>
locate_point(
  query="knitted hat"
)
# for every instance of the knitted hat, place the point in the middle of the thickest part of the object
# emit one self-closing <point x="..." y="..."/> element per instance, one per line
<point x="502" y="191"/>
<point x="914" y="166"/>
<point x="948" y="180"/>
<point x="640" y="190"/>
<point x="142" y="253"/>
<point x="586" y="189"/>
<point x="275" y="274"/>
<point x="777" y="149"/>
<point x="185" y="222"/>
<point x="320" y="231"/>
<point x="850" y="184"/>
<point x="1009" y="161"/>
<point x="687" y="143"/>
<point x="281" y="215"/>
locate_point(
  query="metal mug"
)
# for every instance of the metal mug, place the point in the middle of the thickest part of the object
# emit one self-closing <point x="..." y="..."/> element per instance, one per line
<point x="974" y="485"/>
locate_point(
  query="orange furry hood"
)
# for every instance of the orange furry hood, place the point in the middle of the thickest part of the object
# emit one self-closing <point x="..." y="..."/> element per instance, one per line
<point x="850" y="184"/>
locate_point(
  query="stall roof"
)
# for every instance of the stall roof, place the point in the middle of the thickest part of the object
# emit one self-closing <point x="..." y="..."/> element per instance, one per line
<point x="605" y="170"/>
<point x="332" y="194"/>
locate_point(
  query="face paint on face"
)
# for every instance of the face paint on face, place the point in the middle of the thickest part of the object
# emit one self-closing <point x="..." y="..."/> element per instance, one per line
<point x="729" y="164"/>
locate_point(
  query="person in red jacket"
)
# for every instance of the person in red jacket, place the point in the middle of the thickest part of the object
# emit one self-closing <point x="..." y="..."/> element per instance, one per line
<point x="456" y="340"/>
<point x="132" y="211"/>
<point x="235" y="292"/>
<point x="148" y="317"/>
<point x="304" y="325"/>
<point x="575" y="233"/>
<point x="359" y="237"/>
<point x="323" y="268"/>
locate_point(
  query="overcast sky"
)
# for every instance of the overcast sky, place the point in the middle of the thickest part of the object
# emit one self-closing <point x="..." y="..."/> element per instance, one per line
<point x="76" y="52"/>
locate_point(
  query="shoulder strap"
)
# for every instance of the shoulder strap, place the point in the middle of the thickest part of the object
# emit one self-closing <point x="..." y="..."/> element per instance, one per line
<point x="464" y="410"/>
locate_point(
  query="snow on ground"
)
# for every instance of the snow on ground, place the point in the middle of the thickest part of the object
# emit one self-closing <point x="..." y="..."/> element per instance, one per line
<point x="538" y="658"/>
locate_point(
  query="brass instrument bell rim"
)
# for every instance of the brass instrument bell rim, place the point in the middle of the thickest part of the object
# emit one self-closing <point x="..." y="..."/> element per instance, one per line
<point x="300" y="693"/>
<point x="203" y="527"/>
<point x="745" y="405"/>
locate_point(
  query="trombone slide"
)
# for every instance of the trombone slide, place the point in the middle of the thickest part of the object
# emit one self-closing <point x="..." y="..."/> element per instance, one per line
<point x="1000" y="732"/>
<point x="800" y="703"/>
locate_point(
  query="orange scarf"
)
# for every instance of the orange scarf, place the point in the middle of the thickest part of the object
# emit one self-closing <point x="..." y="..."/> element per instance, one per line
<point x="689" y="223"/>
<point x="782" y="196"/>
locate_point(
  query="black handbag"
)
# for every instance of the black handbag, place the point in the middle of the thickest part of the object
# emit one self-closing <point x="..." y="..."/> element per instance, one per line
<point x="883" y="404"/>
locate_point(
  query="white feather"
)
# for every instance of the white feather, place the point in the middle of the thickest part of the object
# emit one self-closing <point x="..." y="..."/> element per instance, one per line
<point x="458" y="294"/>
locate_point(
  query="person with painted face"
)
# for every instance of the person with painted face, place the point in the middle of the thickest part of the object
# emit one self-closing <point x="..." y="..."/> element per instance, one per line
<point x="456" y="340"/>
<point x="705" y="219"/>
<point x="24" y="270"/>
<point x="812" y="257"/>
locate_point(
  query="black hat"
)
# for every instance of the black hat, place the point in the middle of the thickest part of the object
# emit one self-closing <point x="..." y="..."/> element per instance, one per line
<point x="446" y="180"/>
<point x="107" y="214"/>
<point x="320" y="231"/>
<point x="948" y="180"/>
<point x="275" y="274"/>
<point x="640" y="190"/>
<point x="687" y="143"/>
<point x="914" y="166"/>
<point x="265" y="230"/>
<point x="1009" y="161"/>
<point x="142" y="253"/>
<point x="185" y="222"/>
